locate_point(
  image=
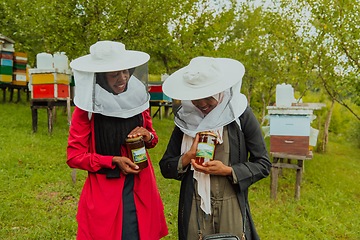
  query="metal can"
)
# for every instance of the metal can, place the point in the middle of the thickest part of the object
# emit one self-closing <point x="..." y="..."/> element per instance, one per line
<point x="137" y="152"/>
<point x="206" y="147"/>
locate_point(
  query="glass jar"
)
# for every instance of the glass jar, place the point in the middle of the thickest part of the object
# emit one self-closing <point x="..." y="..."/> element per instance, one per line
<point x="206" y="147"/>
<point x="137" y="152"/>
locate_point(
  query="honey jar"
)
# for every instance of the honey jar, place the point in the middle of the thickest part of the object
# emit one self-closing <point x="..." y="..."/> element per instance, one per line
<point x="206" y="147"/>
<point x="137" y="152"/>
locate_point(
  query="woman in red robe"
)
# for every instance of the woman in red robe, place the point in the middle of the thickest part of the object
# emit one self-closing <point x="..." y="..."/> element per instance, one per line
<point x="118" y="200"/>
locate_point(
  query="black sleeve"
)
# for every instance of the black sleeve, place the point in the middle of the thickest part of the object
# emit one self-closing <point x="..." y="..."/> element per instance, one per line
<point x="169" y="162"/>
<point x="258" y="165"/>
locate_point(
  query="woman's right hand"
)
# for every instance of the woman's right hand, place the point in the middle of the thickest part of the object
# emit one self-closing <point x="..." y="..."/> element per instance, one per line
<point x="126" y="165"/>
<point x="191" y="154"/>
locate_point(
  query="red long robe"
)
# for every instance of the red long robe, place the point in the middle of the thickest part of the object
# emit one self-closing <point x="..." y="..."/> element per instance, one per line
<point x="100" y="210"/>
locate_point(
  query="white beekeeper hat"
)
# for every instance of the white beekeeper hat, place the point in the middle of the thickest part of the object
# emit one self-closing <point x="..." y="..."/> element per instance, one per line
<point x="109" y="56"/>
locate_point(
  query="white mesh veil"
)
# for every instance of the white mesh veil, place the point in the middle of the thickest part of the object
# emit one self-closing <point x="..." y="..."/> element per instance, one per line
<point x="191" y="120"/>
<point x="92" y="97"/>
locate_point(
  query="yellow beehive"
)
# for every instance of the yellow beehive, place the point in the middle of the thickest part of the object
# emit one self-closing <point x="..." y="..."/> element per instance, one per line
<point x="5" y="78"/>
<point x="48" y="78"/>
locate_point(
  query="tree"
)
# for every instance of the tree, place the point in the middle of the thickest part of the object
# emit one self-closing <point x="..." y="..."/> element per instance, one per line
<point x="72" y="26"/>
<point x="197" y="31"/>
<point x="341" y="33"/>
<point x="274" y="49"/>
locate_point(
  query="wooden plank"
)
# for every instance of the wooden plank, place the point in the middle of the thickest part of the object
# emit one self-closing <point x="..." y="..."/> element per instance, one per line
<point x="310" y="105"/>
<point x="286" y="165"/>
<point x="291" y="156"/>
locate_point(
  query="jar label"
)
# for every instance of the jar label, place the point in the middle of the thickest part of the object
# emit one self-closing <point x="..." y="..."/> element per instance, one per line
<point x="205" y="150"/>
<point x="139" y="155"/>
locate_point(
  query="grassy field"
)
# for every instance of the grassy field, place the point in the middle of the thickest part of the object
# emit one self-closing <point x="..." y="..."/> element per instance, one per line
<point x="38" y="199"/>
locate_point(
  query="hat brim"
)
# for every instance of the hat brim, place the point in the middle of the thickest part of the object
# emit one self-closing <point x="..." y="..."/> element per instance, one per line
<point x="129" y="60"/>
<point x="174" y="86"/>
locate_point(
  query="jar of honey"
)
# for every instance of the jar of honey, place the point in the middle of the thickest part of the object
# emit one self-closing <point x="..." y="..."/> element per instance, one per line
<point x="137" y="152"/>
<point x="206" y="147"/>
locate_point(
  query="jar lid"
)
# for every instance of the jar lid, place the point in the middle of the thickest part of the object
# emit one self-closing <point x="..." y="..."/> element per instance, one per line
<point x="208" y="133"/>
<point x="134" y="139"/>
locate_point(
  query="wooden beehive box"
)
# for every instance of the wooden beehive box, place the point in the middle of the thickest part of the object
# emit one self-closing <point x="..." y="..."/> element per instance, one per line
<point x="290" y="128"/>
<point x="6" y="44"/>
<point x="6" y="67"/>
<point x="19" y="74"/>
<point x="49" y="84"/>
<point x="156" y="93"/>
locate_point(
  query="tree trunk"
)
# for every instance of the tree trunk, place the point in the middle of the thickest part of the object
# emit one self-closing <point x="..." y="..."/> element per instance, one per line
<point x="263" y="109"/>
<point x="165" y="60"/>
<point x="326" y="127"/>
<point x="249" y="97"/>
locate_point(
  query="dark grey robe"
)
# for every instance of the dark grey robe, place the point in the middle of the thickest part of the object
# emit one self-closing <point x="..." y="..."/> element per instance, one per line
<point x="249" y="160"/>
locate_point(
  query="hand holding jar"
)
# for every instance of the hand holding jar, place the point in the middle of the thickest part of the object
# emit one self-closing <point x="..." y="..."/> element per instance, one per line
<point x="140" y="131"/>
<point x="204" y="161"/>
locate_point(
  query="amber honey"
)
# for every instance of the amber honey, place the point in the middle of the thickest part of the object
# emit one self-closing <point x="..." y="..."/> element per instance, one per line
<point x="206" y="147"/>
<point x="137" y="152"/>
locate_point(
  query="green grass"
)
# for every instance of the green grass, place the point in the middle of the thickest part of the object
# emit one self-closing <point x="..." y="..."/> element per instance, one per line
<point x="39" y="201"/>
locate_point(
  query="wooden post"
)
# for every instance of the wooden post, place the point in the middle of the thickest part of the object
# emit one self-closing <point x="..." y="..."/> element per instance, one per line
<point x="27" y="94"/>
<point x="73" y="175"/>
<point x="50" y="119"/>
<point x="34" y="116"/>
<point x="4" y="93"/>
<point x="68" y="106"/>
<point x="160" y="111"/>
<point x="280" y="168"/>
<point x="298" y="179"/>
<point x="274" y="179"/>
<point x="54" y="112"/>
<point x="167" y="111"/>
<point x="18" y="95"/>
<point x="11" y="93"/>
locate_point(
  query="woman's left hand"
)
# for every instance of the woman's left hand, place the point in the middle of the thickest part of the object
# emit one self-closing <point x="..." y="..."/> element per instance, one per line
<point x="214" y="167"/>
<point x="140" y="131"/>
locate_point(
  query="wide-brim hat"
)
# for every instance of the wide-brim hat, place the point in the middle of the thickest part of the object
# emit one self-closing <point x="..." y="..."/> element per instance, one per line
<point x="109" y="56"/>
<point x="203" y="77"/>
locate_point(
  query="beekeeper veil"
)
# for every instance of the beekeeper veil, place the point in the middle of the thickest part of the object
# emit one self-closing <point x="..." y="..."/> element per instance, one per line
<point x="111" y="81"/>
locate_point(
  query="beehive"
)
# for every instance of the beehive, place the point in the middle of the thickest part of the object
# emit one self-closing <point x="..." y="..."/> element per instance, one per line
<point x="6" y="67"/>
<point x="290" y="129"/>
<point x="49" y="84"/>
<point x="19" y="71"/>
<point x="156" y="93"/>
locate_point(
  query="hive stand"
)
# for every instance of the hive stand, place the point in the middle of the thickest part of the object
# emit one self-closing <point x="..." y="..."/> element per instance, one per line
<point x="19" y="88"/>
<point x="159" y="99"/>
<point x="160" y="103"/>
<point x="11" y="88"/>
<point x="48" y="104"/>
<point x="276" y="170"/>
<point x="3" y="87"/>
